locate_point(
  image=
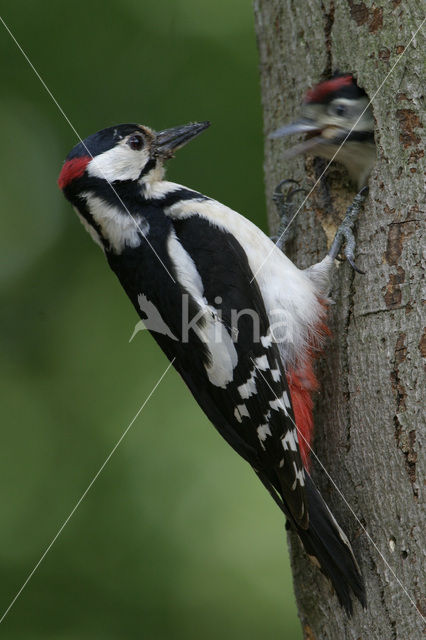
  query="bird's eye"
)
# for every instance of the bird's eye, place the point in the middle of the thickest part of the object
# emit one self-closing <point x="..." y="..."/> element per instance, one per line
<point x="135" y="142"/>
<point x="340" y="109"/>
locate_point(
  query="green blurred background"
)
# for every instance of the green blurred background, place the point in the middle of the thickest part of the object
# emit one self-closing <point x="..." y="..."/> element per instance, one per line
<point x="177" y="539"/>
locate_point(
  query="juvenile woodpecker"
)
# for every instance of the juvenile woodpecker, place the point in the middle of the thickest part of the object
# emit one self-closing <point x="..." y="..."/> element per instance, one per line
<point x="334" y="112"/>
<point x="254" y="318"/>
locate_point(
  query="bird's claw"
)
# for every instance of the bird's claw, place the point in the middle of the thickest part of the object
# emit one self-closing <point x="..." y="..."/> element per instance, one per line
<point x="344" y="232"/>
<point x="285" y="208"/>
<point x="349" y="258"/>
<point x="278" y="196"/>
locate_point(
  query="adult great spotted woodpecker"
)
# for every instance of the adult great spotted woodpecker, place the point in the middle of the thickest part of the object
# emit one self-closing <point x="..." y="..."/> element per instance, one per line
<point x="181" y="250"/>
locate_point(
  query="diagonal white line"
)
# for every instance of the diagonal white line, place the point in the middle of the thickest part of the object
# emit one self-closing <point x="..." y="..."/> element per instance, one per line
<point x="135" y="222"/>
<point x="338" y="149"/>
<point x="342" y="496"/>
<point x="84" y="494"/>
<point x="30" y="575"/>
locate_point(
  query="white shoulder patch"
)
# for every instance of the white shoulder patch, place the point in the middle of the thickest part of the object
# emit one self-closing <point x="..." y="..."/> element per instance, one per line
<point x="223" y="355"/>
<point x="291" y="296"/>
<point x="185" y="269"/>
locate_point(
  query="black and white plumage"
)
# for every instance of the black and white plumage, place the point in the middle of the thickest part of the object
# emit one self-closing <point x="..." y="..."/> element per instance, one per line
<point x="191" y="257"/>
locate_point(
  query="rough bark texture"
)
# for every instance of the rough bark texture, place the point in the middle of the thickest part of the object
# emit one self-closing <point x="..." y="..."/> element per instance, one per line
<point x="369" y="413"/>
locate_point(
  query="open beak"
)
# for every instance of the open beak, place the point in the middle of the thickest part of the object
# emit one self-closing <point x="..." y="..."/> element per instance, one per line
<point x="169" y="140"/>
<point x="303" y="125"/>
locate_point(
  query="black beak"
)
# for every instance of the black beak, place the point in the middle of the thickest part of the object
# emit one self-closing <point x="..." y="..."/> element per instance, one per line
<point x="299" y="126"/>
<point x="169" y="140"/>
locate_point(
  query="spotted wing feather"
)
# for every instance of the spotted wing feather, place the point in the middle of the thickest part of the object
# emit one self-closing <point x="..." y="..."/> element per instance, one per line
<point x="255" y="405"/>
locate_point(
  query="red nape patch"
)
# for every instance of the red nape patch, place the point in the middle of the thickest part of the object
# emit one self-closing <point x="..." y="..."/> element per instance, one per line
<point x="322" y="90"/>
<point x="72" y="169"/>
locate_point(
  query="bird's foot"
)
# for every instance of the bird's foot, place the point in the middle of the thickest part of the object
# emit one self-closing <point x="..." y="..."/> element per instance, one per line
<point x="344" y="232"/>
<point x="286" y="210"/>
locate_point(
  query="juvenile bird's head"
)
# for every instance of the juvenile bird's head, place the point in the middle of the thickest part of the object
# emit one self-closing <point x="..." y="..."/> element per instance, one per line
<point x="107" y="175"/>
<point x="334" y="112"/>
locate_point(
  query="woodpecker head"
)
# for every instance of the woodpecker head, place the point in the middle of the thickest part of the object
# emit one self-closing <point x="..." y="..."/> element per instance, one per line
<point x="126" y="152"/>
<point x="107" y="174"/>
<point x="334" y="112"/>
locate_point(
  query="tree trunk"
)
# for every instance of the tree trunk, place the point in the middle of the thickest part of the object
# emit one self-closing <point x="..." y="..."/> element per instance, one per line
<point x="368" y="414"/>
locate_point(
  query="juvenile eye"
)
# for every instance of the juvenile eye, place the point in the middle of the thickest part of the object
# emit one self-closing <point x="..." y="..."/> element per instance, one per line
<point x="135" y="142"/>
<point x="340" y="109"/>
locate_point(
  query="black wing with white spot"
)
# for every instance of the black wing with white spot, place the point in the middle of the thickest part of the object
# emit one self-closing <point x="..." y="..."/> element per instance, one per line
<point x="247" y="398"/>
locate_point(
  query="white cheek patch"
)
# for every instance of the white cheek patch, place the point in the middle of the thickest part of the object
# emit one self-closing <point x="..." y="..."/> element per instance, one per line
<point x="118" y="163"/>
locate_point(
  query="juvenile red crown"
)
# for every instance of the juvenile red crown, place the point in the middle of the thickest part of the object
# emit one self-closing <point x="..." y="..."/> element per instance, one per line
<point x="322" y="90"/>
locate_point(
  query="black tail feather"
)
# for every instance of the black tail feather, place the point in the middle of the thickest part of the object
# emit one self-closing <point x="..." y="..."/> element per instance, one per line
<point x="326" y="541"/>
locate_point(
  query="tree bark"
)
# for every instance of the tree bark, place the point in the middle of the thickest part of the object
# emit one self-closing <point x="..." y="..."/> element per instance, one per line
<point x="368" y="414"/>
